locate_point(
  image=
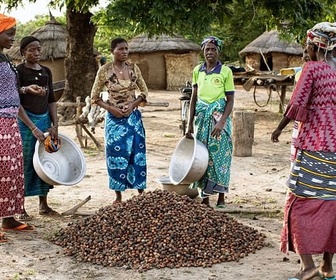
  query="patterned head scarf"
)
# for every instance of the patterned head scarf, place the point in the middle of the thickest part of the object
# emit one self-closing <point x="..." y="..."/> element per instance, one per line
<point x="212" y="39"/>
<point x="323" y="35"/>
<point x="6" y="22"/>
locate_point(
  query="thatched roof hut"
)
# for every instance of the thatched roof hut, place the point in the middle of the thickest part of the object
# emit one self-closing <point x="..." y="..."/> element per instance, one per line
<point x="166" y="62"/>
<point x="269" y="52"/>
<point x="53" y="41"/>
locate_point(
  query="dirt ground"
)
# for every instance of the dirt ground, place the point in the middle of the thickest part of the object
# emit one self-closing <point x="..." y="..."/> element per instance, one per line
<point x="256" y="197"/>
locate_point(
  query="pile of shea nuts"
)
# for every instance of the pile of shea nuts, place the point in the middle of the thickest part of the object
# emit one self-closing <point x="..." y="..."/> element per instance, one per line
<point x="158" y="229"/>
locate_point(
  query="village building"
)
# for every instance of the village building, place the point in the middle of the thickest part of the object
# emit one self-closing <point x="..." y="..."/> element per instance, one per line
<point x="269" y="52"/>
<point x="166" y="62"/>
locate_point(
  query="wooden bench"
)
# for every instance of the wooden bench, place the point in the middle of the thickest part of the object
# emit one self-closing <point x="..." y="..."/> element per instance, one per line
<point x="58" y="89"/>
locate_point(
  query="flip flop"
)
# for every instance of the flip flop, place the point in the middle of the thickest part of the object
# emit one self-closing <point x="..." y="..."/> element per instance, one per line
<point x="23" y="227"/>
<point x="221" y="206"/>
<point x="326" y="278"/>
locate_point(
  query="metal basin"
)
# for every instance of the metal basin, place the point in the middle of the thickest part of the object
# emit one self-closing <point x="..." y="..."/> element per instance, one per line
<point x="66" y="167"/>
<point x="179" y="189"/>
<point x="189" y="161"/>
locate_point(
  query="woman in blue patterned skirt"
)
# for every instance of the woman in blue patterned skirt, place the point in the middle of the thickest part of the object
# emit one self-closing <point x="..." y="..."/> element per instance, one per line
<point x="125" y="145"/>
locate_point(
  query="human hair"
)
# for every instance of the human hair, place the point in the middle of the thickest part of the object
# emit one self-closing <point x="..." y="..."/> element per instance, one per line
<point x="25" y="41"/>
<point x="117" y="41"/>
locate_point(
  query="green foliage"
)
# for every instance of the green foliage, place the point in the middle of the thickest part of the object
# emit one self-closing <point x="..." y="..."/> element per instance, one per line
<point x="155" y="17"/>
<point x="236" y="22"/>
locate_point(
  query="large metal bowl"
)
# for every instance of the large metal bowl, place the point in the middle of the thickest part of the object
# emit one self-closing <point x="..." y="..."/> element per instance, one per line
<point x="189" y="161"/>
<point x="66" y="167"/>
<point x="182" y="189"/>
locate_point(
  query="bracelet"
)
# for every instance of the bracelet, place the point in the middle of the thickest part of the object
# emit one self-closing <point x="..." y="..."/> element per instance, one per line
<point x="34" y="129"/>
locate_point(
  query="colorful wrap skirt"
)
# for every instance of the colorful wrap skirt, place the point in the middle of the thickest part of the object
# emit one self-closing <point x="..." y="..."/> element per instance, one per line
<point x="11" y="169"/>
<point x="309" y="215"/>
<point x="125" y="150"/>
<point x="217" y="176"/>
<point x="34" y="185"/>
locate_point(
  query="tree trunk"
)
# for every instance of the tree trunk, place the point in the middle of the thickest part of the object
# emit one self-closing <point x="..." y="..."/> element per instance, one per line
<point x="80" y="64"/>
<point x="243" y="133"/>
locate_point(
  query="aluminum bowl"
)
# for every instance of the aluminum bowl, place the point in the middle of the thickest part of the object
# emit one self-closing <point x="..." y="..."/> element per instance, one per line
<point x="189" y="161"/>
<point x="179" y="189"/>
<point x="66" y="167"/>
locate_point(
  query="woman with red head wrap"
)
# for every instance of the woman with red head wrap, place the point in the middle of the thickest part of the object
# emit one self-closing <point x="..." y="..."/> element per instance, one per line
<point x="11" y="156"/>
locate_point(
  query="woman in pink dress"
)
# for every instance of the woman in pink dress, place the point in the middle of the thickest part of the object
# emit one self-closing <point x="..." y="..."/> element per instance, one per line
<point x="11" y="157"/>
<point x="309" y="218"/>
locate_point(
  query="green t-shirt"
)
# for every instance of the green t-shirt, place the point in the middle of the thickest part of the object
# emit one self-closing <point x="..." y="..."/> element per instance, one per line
<point x="214" y="85"/>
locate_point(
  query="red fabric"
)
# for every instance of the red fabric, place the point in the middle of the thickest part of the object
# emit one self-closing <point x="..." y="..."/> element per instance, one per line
<point x="315" y="96"/>
<point x="6" y="22"/>
<point x="309" y="226"/>
<point x="11" y="168"/>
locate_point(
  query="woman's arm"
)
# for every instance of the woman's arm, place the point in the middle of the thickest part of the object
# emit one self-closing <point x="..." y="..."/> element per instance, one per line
<point x="28" y="122"/>
<point x="227" y="111"/>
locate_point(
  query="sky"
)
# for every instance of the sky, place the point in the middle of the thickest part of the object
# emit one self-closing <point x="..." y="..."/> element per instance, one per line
<point x="30" y="10"/>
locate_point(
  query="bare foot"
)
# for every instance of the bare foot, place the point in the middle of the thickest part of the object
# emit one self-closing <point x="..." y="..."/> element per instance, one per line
<point x="23" y="217"/>
<point x="48" y="212"/>
<point x="206" y="201"/>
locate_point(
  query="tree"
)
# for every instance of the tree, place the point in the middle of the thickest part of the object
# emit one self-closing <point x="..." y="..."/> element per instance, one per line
<point x="80" y="63"/>
<point x="192" y="19"/>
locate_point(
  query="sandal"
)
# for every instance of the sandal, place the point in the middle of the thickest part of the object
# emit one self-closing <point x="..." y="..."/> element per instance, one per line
<point x="22" y="227"/>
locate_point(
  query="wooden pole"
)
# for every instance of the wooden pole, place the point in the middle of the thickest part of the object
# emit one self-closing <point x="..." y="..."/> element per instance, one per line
<point x="243" y="133"/>
<point x="282" y="99"/>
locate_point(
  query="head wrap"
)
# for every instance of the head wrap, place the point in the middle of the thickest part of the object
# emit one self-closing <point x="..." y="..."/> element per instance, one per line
<point x="323" y="35"/>
<point x="25" y="41"/>
<point x="212" y="39"/>
<point x="6" y="22"/>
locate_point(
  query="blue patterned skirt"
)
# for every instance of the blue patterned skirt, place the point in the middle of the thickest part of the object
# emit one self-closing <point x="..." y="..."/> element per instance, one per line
<point x="34" y="185"/>
<point x="125" y="150"/>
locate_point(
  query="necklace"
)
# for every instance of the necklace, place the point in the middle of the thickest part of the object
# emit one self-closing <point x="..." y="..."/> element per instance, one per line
<point x="120" y="70"/>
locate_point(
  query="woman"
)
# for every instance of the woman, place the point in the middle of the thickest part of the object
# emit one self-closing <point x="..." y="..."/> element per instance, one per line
<point x="125" y="146"/>
<point x="211" y="104"/>
<point x="309" y="220"/>
<point x="11" y="157"/>
<point x="40" y="111"/>
<point x="308" y="54"/>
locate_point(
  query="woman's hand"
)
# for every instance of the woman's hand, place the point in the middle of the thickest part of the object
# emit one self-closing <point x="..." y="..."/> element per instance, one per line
<point x="127" y="109"/>
<point x="53" y="131"/>
<point x="36" y="90"/>
<point x="216" y="132"/>
<point x="38" y="134"/>
<point x="115" y="111"/>
<point x="190" y="132"/>
<point x="275" y="135"/>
